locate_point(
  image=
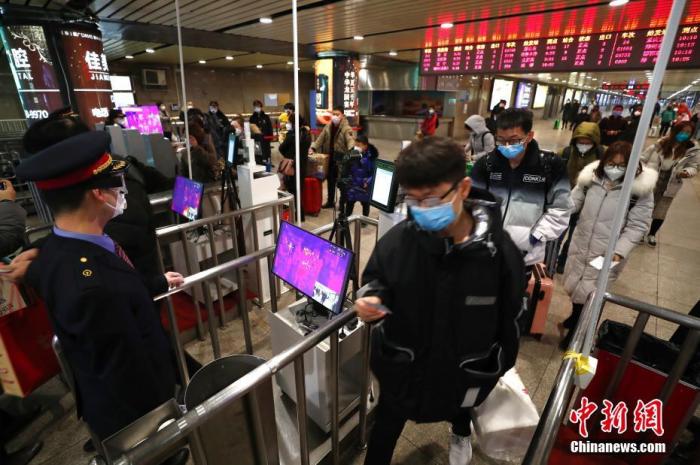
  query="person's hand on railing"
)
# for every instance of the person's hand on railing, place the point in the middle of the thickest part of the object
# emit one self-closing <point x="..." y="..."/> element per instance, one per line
<point x="174" y="279"/>
<point x="368" y="309"/>
<point x="17" y="268"/>
<point x="7" y="192"/>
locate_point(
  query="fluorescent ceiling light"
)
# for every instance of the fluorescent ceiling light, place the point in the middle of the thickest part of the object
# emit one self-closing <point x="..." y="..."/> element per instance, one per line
<point x="618" y="2"/>
<point x="229" y="57"/>
<point x="265" y="20"/>
<point x="290" y="62"/>
<point x="150" y="50"/>
<point x="358" y="37"/>
<point x="447" y="25"/>
<point x="202" y="62"/>
<point x="259" y="66"/>
<point x="129" y="57"/>
<point x="393" y="53"/>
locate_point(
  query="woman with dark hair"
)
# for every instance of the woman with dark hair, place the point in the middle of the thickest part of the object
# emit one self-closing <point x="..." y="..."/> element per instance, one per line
<point x="204" y="161"/>
<point x="676" y="158"/>
<point x="288" y="150"/>
<point x="596" y="197"/>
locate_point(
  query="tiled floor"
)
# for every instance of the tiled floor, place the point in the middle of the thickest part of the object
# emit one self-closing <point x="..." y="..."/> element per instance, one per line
<point x="666" y="275"/>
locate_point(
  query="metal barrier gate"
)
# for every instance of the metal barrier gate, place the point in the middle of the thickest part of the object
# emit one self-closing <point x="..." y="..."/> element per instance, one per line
<point x="560" y="398"/>
<point x="168" y="438"/>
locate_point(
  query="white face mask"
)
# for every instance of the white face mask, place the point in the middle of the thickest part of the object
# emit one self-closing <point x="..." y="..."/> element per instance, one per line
<point x="431" y="111"/>
<point x="119" y="121"/>
<point x="238" y="131"/>
<point x="213" y="109"/>
<point x="335" y="120"/>
<point x="583" y="148"/>
<point x="257" y="109"/>
<point x="162" y="107"/>
<point x="637" y="113"/>
<point x="289" y="126"/>
<point x="359" y="149"/>
<point x="614" y="172"/>
<point x="120" y="206"/>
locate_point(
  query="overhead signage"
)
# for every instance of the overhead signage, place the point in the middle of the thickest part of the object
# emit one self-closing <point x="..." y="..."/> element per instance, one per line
<point x="33" y="70"/>
<point x="610" y="51"/>
<point x="88" y="72"/>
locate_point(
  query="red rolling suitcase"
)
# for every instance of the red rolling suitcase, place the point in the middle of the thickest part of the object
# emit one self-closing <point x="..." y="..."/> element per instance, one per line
<point x="540" y="288"/>
<point x="311" y="201"/>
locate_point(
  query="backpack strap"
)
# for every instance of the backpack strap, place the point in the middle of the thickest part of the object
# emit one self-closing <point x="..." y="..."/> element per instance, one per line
<point x="546" y="164"/>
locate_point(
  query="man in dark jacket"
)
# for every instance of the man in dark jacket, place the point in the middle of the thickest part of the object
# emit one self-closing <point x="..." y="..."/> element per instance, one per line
<point x="611" y="127"/>
<point x="448" y="284"/>
<point x="288" y="150"/>
<point x="263" y="122"/>
<point x="632" y="124"/>
<point x="566" y="114"/>
<point x="220" y="127"/>
<point x="532" y="186"/>
<point x="100" y="306"/>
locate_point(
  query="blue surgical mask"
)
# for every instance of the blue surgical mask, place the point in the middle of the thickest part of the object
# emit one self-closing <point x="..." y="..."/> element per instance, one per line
<point x="682" y="137"/>
<point x="511" y="151"/>
<point x="434" y="219"/>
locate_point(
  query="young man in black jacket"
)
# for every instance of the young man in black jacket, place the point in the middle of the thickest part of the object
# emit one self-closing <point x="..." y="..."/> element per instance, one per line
<point x="448" y="286"/>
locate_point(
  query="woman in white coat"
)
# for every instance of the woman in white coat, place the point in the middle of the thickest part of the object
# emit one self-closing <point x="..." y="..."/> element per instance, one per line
<point x="676" y="158"/>
<point x="596" y="197"/>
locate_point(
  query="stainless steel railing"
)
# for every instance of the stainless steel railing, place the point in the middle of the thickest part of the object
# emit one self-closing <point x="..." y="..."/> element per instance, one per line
<point x="179" y="233"/>
<point x="168" y="438"/>
<point x="555" y="410"/>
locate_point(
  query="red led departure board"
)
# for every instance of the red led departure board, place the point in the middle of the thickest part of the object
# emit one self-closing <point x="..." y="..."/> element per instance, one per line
<point x="592" y="52"/>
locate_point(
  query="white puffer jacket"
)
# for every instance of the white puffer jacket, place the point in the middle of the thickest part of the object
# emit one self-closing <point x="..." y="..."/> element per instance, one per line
<point x="597" y="206"/>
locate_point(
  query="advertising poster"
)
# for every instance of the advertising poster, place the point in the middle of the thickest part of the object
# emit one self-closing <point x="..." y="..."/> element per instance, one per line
<point x="540" y="96"/>
<point x="33" y="70"/>
<point x="502" y="90"/>
<point x="346" y="71"/>
<point x="524" y="95"/>
<point x="88" y="73"/>
<point x="324" y="84"/>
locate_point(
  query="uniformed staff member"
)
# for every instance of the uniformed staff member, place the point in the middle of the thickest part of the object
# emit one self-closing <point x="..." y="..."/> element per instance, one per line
<point x="100" y="307"/>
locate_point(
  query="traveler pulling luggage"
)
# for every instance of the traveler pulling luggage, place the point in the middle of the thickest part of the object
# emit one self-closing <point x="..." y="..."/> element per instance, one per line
<point x="312" y="196"/>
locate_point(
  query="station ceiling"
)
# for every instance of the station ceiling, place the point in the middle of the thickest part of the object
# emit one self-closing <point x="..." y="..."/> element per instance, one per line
<point x="403" y="27"/>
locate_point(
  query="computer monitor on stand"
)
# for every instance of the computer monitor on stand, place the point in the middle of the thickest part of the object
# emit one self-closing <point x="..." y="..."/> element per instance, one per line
<point x="315" y="267"/>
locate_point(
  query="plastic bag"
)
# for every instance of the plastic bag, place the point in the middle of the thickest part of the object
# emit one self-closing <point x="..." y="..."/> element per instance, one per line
<point x="505" y="422"/>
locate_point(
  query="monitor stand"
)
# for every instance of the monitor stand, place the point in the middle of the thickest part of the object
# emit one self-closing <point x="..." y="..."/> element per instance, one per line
<point x="310" y="314"/>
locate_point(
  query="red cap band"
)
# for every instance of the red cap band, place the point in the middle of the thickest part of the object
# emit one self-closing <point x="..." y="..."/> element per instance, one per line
<point x="76" y="177"/>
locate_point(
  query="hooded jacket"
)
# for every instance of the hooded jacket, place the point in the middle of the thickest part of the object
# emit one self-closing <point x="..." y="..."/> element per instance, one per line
<point x="575" y="160"/>
<point x="454" y="315"/>
<point x="535" y="197"/>
<point x="481" y="141"/>
<point x="597" y="206"/>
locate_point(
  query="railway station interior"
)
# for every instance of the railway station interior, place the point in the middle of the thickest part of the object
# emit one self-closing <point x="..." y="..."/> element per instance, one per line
<point x="314" y="283"/>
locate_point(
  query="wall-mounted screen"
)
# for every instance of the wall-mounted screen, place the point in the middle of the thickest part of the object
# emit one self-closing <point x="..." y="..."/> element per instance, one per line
<point x="610" y="51"/>
<point x="146" y="119"/>
<point x="121" y="83"/>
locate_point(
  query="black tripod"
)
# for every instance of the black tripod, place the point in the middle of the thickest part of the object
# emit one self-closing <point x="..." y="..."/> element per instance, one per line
<point x="341" y="230"/>
<point x="229" y="191"/>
